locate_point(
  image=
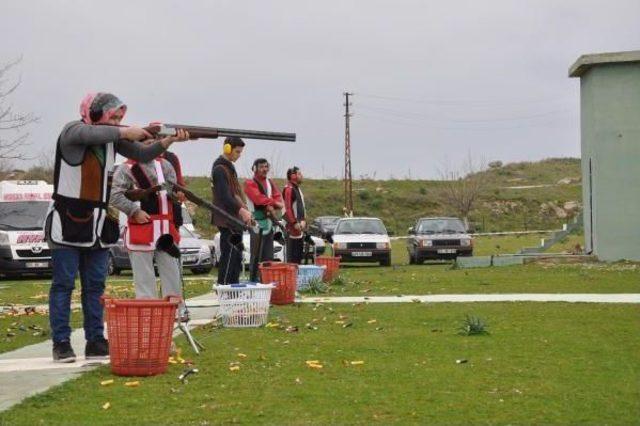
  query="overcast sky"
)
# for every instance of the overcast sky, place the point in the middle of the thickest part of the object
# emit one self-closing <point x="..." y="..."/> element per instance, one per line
<point x="433" y="82"/>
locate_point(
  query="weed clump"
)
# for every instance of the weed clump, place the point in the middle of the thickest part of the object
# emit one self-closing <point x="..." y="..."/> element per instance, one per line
<point x="472" y="326"/>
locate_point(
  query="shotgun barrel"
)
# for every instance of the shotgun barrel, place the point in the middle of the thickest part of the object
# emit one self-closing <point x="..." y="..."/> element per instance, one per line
<point x="197" y="132"/>
<point x="174" y="187"/>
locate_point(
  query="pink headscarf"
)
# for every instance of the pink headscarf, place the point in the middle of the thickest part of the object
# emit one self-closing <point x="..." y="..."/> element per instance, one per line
<point x="106" y="102"/>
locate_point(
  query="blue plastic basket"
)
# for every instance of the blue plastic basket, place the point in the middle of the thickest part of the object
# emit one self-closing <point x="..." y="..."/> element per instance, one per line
<point x="307" y="273"/>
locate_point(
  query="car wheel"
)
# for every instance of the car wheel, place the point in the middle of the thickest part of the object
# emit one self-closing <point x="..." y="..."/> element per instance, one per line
<point x="201" y="271"/>
<point x="412" y="259"/>
<point x="111" y="266"/>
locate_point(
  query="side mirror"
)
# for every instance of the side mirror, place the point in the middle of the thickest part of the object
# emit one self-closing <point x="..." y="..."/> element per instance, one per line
<point x="330" y="239"/>
<point x="391" y="233"/>
<point x="411" y="230"/>
<point x="193" y="222"/>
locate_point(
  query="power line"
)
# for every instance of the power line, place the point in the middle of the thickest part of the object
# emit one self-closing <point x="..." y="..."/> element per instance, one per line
<point x="420" y="115"/>
<point x="416" y="122"/>
<point x="467" y="102"/>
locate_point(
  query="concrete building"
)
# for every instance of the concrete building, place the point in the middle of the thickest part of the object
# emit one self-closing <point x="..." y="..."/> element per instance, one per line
<point x="610" y="128"/>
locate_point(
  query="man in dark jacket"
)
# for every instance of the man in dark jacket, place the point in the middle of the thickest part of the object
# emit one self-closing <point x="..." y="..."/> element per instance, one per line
<point x="228" y="195"/>
<point x="294" y="215"/>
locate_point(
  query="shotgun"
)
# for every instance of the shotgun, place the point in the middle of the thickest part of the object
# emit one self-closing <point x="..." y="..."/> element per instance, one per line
<point x="172" y="188"/>
<point x="138" y="194"/>
<point x="197" y="132"/>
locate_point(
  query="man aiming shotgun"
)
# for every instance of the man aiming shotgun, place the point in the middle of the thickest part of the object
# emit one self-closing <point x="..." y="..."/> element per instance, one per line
<point x="79" y="227"/>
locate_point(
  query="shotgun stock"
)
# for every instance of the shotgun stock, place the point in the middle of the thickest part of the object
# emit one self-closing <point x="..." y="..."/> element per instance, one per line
<point x="138" y="194"/>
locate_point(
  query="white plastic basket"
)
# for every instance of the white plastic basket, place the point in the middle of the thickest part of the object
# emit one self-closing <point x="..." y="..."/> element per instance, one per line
<point x="306" y="273"/>
<point x="244" y="305"/>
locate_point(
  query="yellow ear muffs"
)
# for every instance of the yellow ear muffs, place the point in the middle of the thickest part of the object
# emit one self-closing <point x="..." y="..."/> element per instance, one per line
<point x="227" y="148"/>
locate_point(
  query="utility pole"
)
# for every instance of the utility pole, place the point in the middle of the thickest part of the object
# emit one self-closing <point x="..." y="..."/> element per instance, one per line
<point x="348" y="189"/>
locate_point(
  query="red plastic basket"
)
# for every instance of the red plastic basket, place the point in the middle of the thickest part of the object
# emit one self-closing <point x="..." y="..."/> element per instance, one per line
<point x="333" y="266"/>
<point x="140" y="333"/>
<point x="284" y="276"/>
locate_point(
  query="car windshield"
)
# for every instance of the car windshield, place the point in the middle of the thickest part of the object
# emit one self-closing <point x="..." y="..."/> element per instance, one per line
<point x="186" y="217"/>
<point x="329" y="220"/>
<point x="366" y="226"/>
<point x="440" y="226"/>
<point x="184" y="232"/>
<point x="23" y="215"/>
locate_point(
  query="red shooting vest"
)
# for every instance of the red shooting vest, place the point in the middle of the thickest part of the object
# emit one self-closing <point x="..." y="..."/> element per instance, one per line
<point x="143" y="236"/>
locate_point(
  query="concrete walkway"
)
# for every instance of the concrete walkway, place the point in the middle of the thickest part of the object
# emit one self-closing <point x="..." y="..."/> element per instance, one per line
<point x="30" y="370"/>
<point x="467" y="298"/>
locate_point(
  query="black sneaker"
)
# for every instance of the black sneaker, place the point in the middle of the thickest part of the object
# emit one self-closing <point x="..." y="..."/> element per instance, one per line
<point x="63" y="352"/>
<point x="98" y="348"/>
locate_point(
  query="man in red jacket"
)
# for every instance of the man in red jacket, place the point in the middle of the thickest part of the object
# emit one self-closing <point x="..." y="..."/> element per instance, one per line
<point x="265" y="203"/>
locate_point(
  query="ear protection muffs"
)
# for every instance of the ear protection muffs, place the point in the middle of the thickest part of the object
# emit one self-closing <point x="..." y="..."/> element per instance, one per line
<point x="95" y="111"/>
<point x="254" y="166"/>
<point x="226" y="148"/>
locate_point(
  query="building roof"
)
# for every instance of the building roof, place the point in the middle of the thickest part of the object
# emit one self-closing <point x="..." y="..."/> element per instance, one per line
<point x="585" y="62"/>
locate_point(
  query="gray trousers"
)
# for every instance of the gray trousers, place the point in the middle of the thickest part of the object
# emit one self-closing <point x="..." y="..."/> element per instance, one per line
<point x="144" y="276"/>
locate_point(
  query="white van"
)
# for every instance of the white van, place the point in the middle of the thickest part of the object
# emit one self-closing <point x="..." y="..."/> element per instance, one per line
<point x="23" y="208"/>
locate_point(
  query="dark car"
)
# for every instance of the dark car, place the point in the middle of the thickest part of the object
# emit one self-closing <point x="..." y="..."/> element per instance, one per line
<point x="323" y="226"/>
<point x="197" y="254"/>
<point x="438" y="238"/>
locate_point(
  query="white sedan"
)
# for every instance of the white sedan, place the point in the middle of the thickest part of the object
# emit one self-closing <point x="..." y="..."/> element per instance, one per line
<point x="362" y="239"/>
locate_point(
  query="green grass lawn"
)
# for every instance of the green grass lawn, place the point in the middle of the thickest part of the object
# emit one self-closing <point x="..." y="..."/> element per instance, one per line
<point x="540" y="363"/>
<point x="36" y="291"/>
<point x="19" y="331"/>
<point x="399" y="202"/>
<point x="505" y="244"/>
<point x="532" y="278"/>
<point x="371" y="280"/>
<point x="22" y="330"/>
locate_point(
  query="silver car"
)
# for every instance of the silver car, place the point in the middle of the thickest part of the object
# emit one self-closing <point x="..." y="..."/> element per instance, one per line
<point x="197" y="254"/>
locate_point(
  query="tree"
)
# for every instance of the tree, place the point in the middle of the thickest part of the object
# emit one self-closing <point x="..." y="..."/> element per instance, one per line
<point x="460" y="190"/>
<point x="43" y="169"/>
<point x="13" y="135"/>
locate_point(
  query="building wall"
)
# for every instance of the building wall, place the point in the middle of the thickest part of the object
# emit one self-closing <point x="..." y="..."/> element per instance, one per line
<point x="610" y="121"/>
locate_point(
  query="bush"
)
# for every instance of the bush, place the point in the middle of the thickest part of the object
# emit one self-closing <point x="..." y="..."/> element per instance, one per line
<point x="338" y="281"/>
<point x="316" y="286"/>
<point x="364" y="195"/>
